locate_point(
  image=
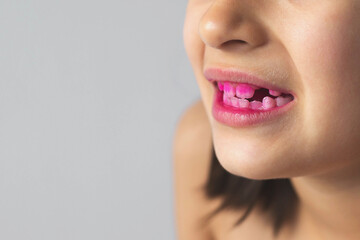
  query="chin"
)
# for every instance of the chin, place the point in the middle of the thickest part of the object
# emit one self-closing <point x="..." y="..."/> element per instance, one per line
<point x="254" y="163"/>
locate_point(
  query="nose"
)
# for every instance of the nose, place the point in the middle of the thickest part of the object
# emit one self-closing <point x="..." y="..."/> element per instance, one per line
<point x="230" y="21"/>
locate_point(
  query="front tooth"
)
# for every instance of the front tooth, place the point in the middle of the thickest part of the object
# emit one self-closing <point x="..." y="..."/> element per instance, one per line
<point x="234" y="102"/>
<point x="243" y="103"/>
<point x="244" y="91"/>
<point x="255" y="105"/>
<point x="274" y="93"/>
<point x="268" y="102"/>
<point x="229" y="90"/>
<point x="226" y="99"/>
<point x="280" y="101"/>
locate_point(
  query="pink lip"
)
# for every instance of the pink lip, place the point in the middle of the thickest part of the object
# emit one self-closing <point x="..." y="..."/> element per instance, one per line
<point x="243" y="117"/>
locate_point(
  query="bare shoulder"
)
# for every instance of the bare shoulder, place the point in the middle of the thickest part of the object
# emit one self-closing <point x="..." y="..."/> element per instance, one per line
<point x="191" y="161"/>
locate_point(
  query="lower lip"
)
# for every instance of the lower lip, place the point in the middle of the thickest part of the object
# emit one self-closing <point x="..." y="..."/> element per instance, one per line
<point x="244" y="117"/>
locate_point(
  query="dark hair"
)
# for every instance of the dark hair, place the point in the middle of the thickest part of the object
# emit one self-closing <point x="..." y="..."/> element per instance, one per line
<point x="275" y="196"/>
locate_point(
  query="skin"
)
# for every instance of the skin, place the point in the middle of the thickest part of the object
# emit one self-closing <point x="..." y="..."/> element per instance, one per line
<point x="311" y="48"/>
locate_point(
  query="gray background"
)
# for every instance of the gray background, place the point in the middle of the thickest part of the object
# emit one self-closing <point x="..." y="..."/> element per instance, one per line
<point x="90" y="92"/>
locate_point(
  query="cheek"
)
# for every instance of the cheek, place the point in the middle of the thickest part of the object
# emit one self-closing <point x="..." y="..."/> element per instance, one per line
<point x="193" y="45"/>
<point x="326" y="54"/>
<point x="195" y="49"/>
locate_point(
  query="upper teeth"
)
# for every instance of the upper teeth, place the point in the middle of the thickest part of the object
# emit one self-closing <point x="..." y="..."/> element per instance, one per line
<point x="274" y="93"/>
<point x="229" y="89"/>
<point x="244" y="91"/>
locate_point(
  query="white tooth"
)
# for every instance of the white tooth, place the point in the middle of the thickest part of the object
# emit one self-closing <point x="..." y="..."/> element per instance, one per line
<point x="280" y="101"/>
<point x="268" y="102"/>
<point x="225" y="99"/>
<point x="243" y="103"/>
<point x="256" y="105"/>
<point x="234" y="102"/>
<point x="274" y="93"/>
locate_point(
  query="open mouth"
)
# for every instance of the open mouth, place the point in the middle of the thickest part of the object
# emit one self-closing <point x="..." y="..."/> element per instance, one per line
<point x="248" y="96"/>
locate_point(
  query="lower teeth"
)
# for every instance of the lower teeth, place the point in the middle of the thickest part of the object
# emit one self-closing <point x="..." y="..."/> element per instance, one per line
<point x="267" y="103"/>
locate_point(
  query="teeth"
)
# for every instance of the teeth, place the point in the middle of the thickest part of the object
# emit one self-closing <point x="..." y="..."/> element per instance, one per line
<point x="274" y="93"/>
<point x="220" y="86"/>
<point x="280" y="101"/>
<point x="244" y="91"/>
<point x="243" y="103"/>
<point x="256" y="105"/>
<point x="268" y="102"/>
<point x="234" y="102"/>
<point x="226" y="100"/>
<point x="229" y="90"/>
<point x="236" y="96"/>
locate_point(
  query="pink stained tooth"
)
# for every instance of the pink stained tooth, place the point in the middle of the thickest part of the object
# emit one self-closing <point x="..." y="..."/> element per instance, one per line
<point x="229" y="89"/>
<point x="274" y="93"/>
<point x="243" y="103"/>
<point x="256" y="105"/>
<point x="280" y="101"/>
<point x="234" y="102"/>
<point x="244" y="91"/>
<point x="220" y="86"/>
<point x="268" y="102"/>
<point x="226" y="100"/>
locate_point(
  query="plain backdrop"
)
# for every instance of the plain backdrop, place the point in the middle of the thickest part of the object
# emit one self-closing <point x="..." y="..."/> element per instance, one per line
<point x="90" y="93"/>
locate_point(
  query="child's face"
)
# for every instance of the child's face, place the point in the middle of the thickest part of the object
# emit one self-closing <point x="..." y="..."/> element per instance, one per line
<point x="311" y="48"/>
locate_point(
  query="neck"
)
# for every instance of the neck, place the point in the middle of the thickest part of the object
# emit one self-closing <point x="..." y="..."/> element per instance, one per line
<point x="329" y="204"/>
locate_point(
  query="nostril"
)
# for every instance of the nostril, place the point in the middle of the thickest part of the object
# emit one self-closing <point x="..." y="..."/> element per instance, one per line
<point x="234" y="41"/>
<point x="234" y="44"/>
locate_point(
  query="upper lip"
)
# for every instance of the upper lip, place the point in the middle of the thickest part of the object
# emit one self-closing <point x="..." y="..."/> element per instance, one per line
<point x="234" y="75"/>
